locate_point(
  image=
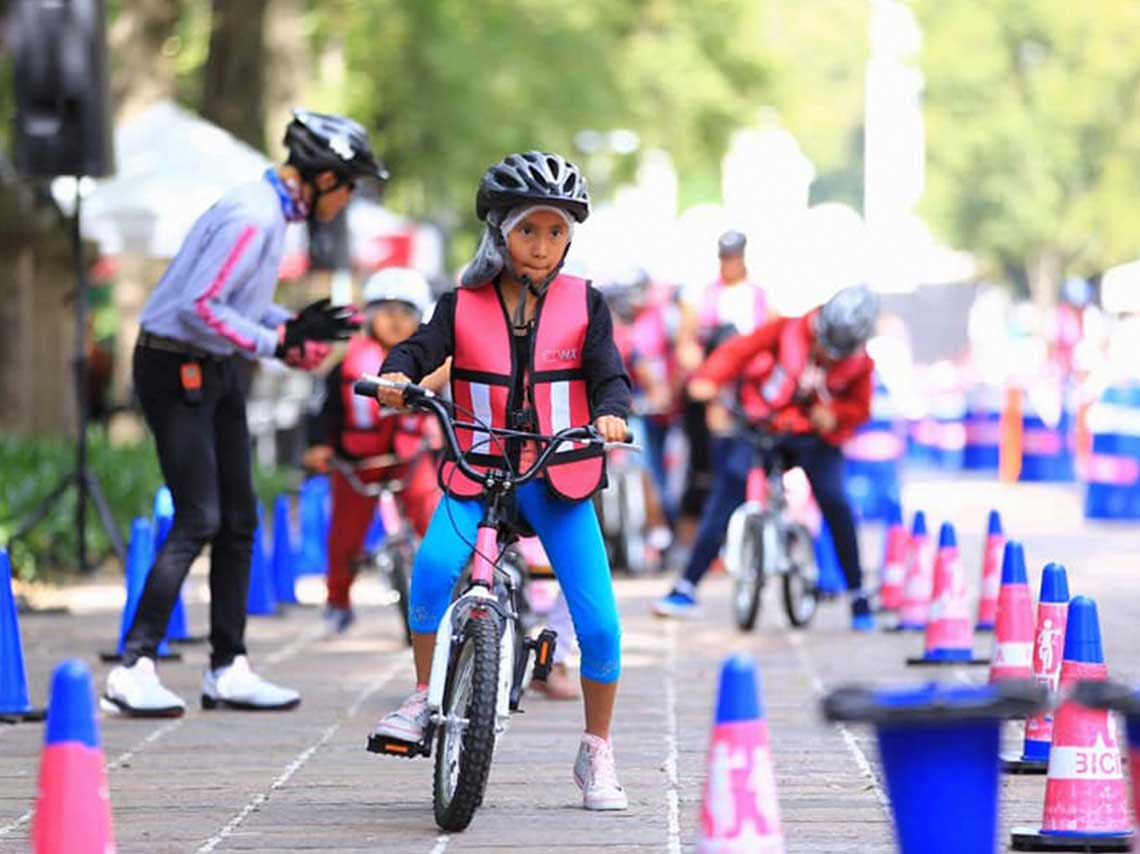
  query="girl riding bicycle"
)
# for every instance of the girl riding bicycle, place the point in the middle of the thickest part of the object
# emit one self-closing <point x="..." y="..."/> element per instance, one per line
<point x="530" y="346"/>
<point x="355" y="432"/>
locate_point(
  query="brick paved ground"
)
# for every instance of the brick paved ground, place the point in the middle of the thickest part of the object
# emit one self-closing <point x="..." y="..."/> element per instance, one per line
<point x="224" y="781"/>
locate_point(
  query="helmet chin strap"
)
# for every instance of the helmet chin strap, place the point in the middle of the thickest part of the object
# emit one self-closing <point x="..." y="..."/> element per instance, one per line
<point x="537" y="288"/>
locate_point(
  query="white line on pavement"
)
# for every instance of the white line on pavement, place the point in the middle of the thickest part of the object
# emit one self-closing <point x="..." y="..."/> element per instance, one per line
<point x="672" y="797"/>
<point x="796" y="640"/>
<point x="301" y="758"/>
<point x="286" y="652"/>
<point x="300" y="642"/>
<point x="440" y="844"/>
<point x="118" y="762"/>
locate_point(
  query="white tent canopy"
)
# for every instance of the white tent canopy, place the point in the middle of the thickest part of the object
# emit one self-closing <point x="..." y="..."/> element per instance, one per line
<point x="172" y="165"/>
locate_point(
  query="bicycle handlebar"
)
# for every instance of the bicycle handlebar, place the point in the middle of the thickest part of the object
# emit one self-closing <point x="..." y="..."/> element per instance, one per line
<point x="418" y="397"/>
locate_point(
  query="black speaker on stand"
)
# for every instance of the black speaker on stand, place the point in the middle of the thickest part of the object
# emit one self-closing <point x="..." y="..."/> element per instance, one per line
<point x="62" y="128"/>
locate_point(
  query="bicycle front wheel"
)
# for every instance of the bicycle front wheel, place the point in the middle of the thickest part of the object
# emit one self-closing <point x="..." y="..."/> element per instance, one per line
<point x="801" y="581"/>
<point x="467" y="737"/>
<point x="748" y="583"/>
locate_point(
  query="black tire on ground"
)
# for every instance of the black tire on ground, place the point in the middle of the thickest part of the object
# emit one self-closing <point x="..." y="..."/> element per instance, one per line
<point x="801" y="582"/>
<point x="749" y="584"/>
<point x="477" y="662"/>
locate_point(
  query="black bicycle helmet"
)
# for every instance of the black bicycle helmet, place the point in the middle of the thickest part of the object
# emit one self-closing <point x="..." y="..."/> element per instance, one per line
<point x="318" y="142"/>
<point x="847" y="321"/>
<point x="731" y="244"/>
<point x="536" y="177"/>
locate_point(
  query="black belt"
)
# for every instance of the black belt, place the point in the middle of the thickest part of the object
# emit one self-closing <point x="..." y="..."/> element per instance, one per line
<point x="173" y="345"/>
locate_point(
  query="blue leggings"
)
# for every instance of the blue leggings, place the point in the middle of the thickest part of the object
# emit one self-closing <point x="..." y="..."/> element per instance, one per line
<point x="570" y="534"/>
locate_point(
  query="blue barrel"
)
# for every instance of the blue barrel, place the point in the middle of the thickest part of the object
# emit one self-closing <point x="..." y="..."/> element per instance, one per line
<point x="983" y="428"/>
<point x="1047" y="449"/>
<point x="1113" y="471"/>
<point x="872" y="459"/>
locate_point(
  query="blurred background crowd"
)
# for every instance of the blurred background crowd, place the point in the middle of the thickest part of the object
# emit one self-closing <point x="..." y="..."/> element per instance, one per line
<point x="976" y="164"/>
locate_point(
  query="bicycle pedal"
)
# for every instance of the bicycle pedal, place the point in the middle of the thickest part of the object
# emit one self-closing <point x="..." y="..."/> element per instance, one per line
<point x="395" y="747"/>
<point x="543" y="647"/>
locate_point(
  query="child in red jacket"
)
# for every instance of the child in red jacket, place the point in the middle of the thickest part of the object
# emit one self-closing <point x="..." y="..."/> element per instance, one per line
<point x="355" y="431"/>
<point x="809" y="377"/>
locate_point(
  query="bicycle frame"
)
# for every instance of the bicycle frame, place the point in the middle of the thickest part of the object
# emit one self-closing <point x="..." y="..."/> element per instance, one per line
<point x="479" y="587"/>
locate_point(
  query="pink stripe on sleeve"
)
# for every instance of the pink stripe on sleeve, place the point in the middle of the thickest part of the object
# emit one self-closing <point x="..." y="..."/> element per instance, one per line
<point x="202" y="304"/>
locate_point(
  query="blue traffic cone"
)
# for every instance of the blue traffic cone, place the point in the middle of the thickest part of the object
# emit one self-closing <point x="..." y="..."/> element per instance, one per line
<point x="176" y="631"/>
<point x="992" y="554"/>
<point x="140" y="558"/>
<point x="1048" y="648"/>
<point x="1085" y="794"/>
<point x="939" y="751"/>
<point x="831" y="580"/>
<point x="261" y="601"/>
<point x="73" y="810"/>
<point x="313" y="511"/>
<point x="284" y="557"/>
<point x="15" y="704"/>
<point x="740" y="811"/>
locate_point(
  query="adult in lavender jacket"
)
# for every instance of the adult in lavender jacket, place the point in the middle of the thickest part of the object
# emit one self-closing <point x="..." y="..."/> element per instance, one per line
<point x="212" y="309"/>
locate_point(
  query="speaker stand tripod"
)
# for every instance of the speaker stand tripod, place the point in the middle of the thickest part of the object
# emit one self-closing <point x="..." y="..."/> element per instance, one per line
<point x="82" y="477"/>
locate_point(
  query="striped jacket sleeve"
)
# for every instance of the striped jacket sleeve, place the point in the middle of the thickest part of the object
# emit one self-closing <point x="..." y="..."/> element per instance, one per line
<point x="227" y="263"/>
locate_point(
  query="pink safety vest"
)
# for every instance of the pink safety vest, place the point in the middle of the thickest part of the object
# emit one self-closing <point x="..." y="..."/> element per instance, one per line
<point x="483" y="375"/>
<point x="710" y="318"/>
<point x="364" y="433"/>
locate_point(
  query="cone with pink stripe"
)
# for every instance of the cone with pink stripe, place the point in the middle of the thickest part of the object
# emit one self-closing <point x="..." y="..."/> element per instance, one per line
<point x="919" y="578"/>
<point x="740" y="813"/>
<point x="991" y="574"/>
<point x="1085" y="796"/>
<point x="949" y="626"/>
<point x="1013" y="640"/>
<point x="73" y="810"/>
<point x="1125" y="700"/>
<point x="894" y="562"/>
<point x="1048" y="647"/>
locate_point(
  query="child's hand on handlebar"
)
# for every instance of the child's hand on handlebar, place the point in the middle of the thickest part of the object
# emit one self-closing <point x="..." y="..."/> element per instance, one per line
<point x="612" y="428"/>
<point x="391" y="396"/>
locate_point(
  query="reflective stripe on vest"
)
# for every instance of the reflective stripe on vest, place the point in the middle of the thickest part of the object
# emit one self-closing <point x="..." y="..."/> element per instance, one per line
<point x="364" y="433"/>
<point x="482" y="377"/>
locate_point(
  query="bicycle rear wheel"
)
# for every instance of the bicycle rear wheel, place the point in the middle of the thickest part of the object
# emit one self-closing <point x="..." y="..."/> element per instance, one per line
<point x="467" y="738"/>
<point x="801" y="581"/>
<point x="748" y="583"/>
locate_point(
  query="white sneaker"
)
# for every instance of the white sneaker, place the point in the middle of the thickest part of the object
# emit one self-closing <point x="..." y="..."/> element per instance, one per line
<point x="408" y="722"/>
<point x="596" y="776"/>
<point x="238" y="687"/>
<point x="135" y="691"/>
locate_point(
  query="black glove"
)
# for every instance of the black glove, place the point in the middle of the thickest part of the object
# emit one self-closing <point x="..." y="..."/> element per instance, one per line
<point x="318" y="321"/>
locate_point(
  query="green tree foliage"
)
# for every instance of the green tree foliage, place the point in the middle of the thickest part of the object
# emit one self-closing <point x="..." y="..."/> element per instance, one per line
<point x="1033" y="133"/>
<point x="451" y="86"/>
<point x="818" y="52"/>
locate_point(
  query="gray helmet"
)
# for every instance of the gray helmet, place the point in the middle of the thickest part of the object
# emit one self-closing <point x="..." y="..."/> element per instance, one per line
<point x="321" y="143"/>
<point x="731" y="244"/>
<point x="534" y="177"/>
<point x="846" y="321"/>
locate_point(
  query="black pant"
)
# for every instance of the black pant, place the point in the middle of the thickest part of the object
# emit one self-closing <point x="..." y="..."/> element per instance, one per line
<point x="822" y="462"/>
<point x="700" y="474"/>
<point x="204" y="452"/>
